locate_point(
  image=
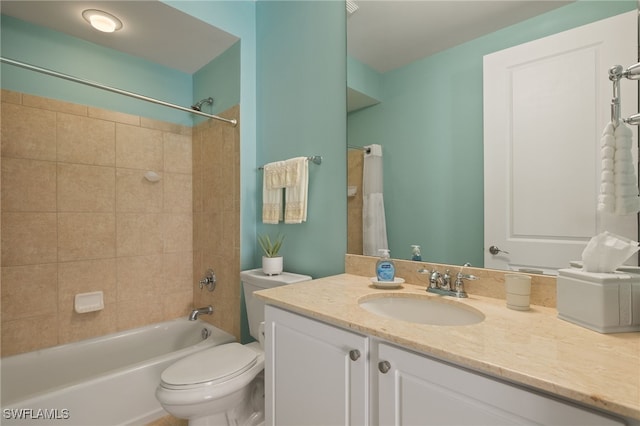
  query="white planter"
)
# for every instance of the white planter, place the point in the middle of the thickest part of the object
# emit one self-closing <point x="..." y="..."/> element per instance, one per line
<point x="272" y="265"/>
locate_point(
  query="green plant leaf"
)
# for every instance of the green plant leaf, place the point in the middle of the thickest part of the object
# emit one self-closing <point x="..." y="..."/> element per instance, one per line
<point x="270" y="248"/>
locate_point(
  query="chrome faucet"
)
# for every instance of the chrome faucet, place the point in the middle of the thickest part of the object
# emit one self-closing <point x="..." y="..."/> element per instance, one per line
<point x="206" y="310"/>
<point x="441" y="283"/>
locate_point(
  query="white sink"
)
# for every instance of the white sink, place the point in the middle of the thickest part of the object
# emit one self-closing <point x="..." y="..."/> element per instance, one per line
<point x="422" y="310"/>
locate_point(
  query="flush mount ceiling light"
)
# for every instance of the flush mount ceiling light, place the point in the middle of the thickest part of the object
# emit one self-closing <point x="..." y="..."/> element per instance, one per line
<point x="102" y="21"/>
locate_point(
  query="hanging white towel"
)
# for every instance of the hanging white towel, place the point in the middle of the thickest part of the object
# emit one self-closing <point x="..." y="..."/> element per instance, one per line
<point x="274" y="174"/>
<point x="618" y="181"/>
<point x="296" y="192"/>
<point x="374" y="227"/>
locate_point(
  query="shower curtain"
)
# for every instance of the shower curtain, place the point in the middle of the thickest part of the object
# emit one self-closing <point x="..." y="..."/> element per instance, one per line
<point x="374" y="227"/>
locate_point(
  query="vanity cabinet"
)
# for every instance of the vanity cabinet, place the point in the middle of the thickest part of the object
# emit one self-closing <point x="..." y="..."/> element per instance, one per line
<point x="319" y="374"/>
<point x="417" y="390"/>
<point x="315" y="374"/>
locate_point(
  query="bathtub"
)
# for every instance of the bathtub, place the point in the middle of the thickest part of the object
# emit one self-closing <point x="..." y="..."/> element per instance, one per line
<point x="109" y="380"/>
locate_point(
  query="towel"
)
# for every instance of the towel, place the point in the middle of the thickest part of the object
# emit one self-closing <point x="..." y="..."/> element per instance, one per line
<point x="618" y="181"/>
<point x="296" y="194"/>
<point x="274" y="174"/>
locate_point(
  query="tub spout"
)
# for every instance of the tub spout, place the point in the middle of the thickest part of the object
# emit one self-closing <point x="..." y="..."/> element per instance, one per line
<point x="206" y="310"/>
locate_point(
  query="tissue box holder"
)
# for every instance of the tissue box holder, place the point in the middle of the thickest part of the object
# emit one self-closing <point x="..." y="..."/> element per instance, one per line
<point x="604" y="302"/>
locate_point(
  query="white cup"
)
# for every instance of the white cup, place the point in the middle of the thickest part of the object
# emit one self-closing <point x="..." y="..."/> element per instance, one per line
<point x="518" y="289"/>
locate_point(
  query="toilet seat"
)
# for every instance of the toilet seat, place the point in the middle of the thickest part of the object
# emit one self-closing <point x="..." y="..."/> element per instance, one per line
<point x="209" y="367"/>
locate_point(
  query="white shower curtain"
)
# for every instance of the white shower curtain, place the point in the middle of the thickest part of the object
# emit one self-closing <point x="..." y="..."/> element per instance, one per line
<point x="374" y="227"/>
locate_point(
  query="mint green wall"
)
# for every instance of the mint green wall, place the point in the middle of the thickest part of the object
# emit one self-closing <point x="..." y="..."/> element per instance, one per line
<point x="301" y="99"/>
<point x="45" y="48"/>
<point x="237" y="17"/>
<point x="430" y="126"/>
<point x="219" y="79"/>
<point x="363" y="78"/>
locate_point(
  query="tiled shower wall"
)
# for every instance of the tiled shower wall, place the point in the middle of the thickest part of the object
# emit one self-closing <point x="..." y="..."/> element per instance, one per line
<point x="216" y="219"/>
<point x="355" y="162"/>
<point x="78" y="216"/>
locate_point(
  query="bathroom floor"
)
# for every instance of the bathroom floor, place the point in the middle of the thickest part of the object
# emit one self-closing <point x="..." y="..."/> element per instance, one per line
<point x="168" y="420"/>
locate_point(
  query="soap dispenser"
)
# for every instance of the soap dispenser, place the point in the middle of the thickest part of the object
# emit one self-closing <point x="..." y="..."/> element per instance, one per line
<point x="385" y="269"/>
<point x="416" y="255"/>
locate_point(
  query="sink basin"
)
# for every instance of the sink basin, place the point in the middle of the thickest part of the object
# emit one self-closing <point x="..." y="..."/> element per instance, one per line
<point x="422" y="310"/>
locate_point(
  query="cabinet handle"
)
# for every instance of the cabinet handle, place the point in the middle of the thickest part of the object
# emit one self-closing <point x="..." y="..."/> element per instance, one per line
<point x="384" y="367"/>
<point x="354" y="354"/>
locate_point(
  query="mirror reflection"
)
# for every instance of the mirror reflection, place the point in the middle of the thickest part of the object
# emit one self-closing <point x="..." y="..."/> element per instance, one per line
<point x="427" y="114"/>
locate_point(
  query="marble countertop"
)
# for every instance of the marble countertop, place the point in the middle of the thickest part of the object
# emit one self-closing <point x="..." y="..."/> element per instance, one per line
<point x="533" y="348"/>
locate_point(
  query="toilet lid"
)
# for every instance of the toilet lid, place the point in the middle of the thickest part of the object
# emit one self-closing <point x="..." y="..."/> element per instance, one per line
<point x="216" y="364"/>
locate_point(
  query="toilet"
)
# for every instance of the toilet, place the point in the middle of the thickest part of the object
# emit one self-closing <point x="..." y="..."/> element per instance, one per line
<point x="224" y="385"/>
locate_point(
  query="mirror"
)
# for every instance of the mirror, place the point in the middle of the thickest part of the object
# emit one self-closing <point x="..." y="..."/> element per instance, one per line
<point x="432" y="132"/>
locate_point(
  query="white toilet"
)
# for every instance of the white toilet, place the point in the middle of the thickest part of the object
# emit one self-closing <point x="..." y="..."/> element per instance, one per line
<point x="224" y="385"/>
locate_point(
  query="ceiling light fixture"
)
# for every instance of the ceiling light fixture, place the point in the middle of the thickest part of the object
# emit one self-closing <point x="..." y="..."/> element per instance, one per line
<point x="102" y="21"/>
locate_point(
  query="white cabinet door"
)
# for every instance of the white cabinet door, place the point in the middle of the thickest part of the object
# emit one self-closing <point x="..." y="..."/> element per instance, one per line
<point x="417" y="390"/>
<point x="315" y="374"/>
<point x="546" y="104"/>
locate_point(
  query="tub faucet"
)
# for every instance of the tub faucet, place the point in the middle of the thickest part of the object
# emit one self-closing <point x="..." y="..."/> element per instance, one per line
<point x="206" y="310"/>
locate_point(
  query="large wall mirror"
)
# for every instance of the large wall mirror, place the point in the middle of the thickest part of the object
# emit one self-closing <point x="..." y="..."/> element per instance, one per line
<point x="420" y="97"/>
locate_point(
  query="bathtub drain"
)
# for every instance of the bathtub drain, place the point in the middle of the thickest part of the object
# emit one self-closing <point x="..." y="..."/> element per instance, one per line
<point x="205" y="333"/>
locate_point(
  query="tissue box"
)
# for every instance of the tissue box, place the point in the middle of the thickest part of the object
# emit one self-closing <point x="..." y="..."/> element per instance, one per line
<point x="604" y="302"/>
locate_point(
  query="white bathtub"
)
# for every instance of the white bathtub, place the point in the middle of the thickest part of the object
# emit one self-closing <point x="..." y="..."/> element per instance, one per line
<point x="109" y="380"/>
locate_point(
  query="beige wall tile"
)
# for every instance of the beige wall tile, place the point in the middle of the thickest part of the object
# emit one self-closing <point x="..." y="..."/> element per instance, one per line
<point x="86" y="236"/>
<point x="177" y="272"/>
<point x="84" y="243"/>
<point x="138" y="148"/>
<point x="178" y="232"/>
<point x="53" y="104"/>
<point x="139" y="277"/>
<point x="115" y="116"/>
<point x="165" y="126"/>
<point x="177" y="193"/>
<point x="28" y="132"/>
<point x="83" y="188"/>
<point x="29" y="291"/>
<point x="28" y="238"/>
<point x="134" y="193"/>
<point x="176" y="305"/>
<point x="138" y="234"/>
<point x="177" y="153"/>
<point x="10" y="96"/>
<point x="86" y="140"/>
<point x="139" y="312"/>
<point x="29" y="334"/>
<point x="74" y="326"/>
<point x="86" y="276"/>
<point x="28" y="185"/>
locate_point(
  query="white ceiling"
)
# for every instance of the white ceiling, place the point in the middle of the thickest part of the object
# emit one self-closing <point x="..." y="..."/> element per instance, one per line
<point x="384" y="34"/>
<point x="388" y="34"/>
<point x="151" y="29"/>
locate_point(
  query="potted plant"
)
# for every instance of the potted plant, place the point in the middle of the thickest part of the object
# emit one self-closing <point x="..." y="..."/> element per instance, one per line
<point x="271" y="261"/>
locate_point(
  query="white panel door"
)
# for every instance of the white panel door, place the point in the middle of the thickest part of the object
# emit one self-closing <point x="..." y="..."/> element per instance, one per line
<point x="546" y="104"/>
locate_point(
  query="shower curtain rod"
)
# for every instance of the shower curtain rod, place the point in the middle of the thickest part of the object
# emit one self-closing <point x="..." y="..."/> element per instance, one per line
<point x="113" y="89"/>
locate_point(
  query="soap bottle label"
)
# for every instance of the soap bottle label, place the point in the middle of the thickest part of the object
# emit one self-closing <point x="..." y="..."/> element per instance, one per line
<point x="386" y="271"/>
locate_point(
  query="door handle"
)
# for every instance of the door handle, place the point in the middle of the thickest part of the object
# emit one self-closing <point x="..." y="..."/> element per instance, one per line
<point x="354" y="354"/>
<point x="495" y="250"/>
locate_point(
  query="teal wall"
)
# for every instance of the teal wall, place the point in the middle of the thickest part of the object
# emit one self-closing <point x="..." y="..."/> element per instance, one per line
<point x="56" y="51"/>
<point x="237" y="17"/>
<point x="430" y="126"/>
<point x="301" y="99"/>
<point x="219" y="79"/>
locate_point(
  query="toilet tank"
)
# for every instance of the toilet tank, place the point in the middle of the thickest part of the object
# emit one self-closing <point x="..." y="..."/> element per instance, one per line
<point x="254" y="280"/>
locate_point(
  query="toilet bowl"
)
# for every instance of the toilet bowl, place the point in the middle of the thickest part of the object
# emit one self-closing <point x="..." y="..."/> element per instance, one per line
<point x="224" y="385"/>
